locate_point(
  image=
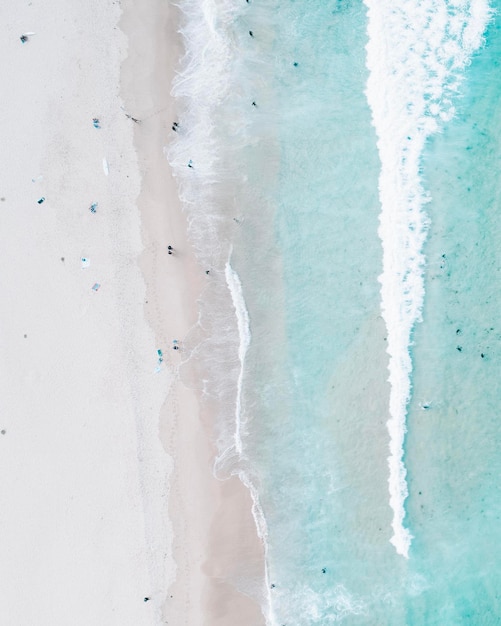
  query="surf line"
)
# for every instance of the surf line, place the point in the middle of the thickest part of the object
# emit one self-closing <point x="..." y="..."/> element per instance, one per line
<point x="416" y="54"/>
<point x="243" y="322"/>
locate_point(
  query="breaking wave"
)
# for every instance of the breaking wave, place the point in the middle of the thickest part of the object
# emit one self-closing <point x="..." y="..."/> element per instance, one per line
<point x="416" y="55"/>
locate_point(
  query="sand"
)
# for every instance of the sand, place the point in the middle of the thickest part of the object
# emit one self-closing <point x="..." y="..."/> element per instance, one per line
<point x="215" y="540"/>
<point x="106" y="461"/>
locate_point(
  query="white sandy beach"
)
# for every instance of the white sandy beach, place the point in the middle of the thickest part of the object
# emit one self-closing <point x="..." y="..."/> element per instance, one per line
<point x="107" y="490"/>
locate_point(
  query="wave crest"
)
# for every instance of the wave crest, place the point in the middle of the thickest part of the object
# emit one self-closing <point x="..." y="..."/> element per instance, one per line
<point x="416" y="55"/>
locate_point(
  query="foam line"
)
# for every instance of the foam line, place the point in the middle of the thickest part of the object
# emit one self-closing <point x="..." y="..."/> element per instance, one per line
<point x="237" y="297"/>
<point x="207" y="155"/>
<point x="416" y="54"/>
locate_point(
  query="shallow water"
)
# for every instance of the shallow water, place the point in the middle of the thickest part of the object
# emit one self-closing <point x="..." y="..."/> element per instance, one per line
<point x="453" y="447"/>
<point x="287" y="186"/>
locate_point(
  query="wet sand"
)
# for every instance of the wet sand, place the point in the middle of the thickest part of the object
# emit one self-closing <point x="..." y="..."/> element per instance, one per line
<point x="215" y="541"/>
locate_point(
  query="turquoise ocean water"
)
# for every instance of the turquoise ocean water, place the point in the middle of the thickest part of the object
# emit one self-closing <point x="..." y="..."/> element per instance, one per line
<point x="343" y="191"/>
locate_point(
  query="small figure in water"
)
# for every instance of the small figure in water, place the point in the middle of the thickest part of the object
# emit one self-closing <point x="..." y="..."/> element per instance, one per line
<point x="95" y="122"/>
<point x="23" y="38"/>
<point x="170" y="249"/>
<point x="146" y="599"/>
<point x="254" y="103"/>
<point x="175" y="126"/>
<point x="190" y="164"/>
<point x="251" y="33"/>
<point x="207" y="272"/>
<point x="324" y="570"/>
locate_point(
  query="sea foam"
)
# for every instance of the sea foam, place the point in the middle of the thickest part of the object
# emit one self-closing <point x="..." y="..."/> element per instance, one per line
<point x="235" y="287"/>
<point x="204" y="153"/>
<point x="416" y="54"/>
<point x="207" y="154"/>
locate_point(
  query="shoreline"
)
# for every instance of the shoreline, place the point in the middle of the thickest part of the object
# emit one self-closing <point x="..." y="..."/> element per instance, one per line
<point x="214" y="534"/>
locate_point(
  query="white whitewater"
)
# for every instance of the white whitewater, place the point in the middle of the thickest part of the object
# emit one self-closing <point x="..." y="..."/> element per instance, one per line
<point x="237" y="297"/>
<point x="416" y="54"/>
